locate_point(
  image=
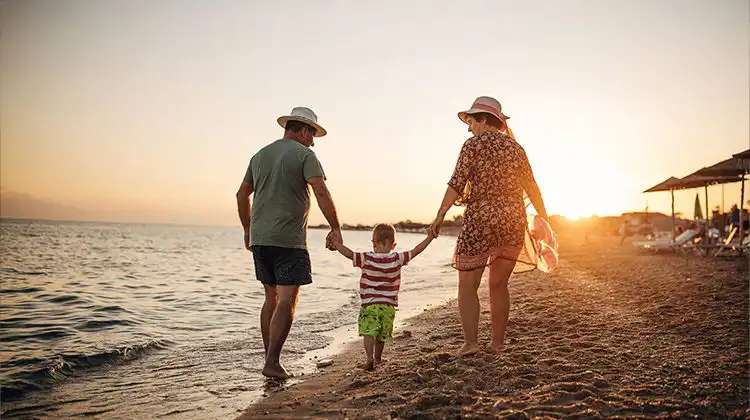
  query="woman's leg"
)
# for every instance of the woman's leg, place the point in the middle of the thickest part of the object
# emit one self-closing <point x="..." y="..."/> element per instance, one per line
<point x="468" y="307"/>
<point x="500" y="272"/>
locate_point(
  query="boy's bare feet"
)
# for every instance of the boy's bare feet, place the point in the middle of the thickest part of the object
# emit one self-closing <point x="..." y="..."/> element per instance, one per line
<point x="468" y="350"/>
<point x="276" y="370"/>
<point x="370" y="365"/>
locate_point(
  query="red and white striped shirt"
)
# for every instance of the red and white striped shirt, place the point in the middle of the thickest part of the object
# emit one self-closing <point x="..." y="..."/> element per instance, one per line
<point x="381" y="276"/>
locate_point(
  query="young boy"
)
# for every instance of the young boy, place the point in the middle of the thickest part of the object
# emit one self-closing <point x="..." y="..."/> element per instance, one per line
<point x="378" y="287"/>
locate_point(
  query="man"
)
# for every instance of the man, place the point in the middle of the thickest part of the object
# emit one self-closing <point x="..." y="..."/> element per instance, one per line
<point x="278" y="176"/>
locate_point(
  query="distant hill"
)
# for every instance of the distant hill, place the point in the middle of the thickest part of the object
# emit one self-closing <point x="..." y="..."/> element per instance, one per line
<point x="24" y="206"/>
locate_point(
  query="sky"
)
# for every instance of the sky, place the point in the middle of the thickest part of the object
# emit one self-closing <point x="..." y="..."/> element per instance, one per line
<point x="151" y="110"/>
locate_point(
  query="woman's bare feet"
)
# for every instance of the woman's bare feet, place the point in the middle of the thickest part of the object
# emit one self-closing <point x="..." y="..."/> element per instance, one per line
<point x="468" y="350"/>
<point x="495" y="348"/>
<point x="378" y="362"/>
<point x="370" y="365"/>
<point x="276" y="370"/>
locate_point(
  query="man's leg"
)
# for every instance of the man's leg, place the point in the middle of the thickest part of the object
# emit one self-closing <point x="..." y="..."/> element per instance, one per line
<point x="269" y="306"/>
<point x="281" y="322"/>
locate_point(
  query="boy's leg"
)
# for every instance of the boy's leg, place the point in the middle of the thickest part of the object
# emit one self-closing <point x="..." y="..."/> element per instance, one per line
<point x="378" y="354"/>
<point x="387" y="316"/>
<point x="369" y="328"/>
<point x="369" y="348"/>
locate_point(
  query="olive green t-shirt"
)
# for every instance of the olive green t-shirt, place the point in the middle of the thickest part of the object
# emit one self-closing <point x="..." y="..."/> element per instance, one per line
<point x="281" y="198"/>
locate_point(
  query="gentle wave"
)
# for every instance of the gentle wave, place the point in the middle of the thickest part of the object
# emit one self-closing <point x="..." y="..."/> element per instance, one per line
<point x="67" y="365"/>
<point x="23" y="273"/>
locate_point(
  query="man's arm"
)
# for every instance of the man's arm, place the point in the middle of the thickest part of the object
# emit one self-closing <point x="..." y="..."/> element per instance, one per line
<point x="325" y="202"/>
<point x="243" y="204"/>
<point x="422" y="245"/>
<point x="243" y="209"/>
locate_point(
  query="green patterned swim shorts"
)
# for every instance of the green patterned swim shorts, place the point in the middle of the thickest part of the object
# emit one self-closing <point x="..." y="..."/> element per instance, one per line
<point x="377" y="321"/>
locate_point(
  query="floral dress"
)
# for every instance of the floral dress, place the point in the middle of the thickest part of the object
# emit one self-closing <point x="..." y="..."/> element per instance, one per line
<point x="491" y="176"/>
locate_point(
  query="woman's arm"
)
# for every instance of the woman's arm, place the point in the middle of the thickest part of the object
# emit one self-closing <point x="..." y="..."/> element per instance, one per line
<point x="528" y="183"/>
<point x="456" y="185"/>
<point x="448" y="199"/>
<point x="536" y="199"/>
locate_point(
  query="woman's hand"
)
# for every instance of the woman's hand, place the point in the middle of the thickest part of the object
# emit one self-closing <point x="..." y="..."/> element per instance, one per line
<point x="434" y="230"/>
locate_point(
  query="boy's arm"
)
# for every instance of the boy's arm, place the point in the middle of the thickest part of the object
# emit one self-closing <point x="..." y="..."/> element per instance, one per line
<point x="343" y="250"/>
<point x="422" y="245"/>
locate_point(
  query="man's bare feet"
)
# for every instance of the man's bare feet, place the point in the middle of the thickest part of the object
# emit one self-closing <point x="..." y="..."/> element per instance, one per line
<point x="370" y="365"/>
<point x="276" y="370"/>
<point x="468" y="350"/>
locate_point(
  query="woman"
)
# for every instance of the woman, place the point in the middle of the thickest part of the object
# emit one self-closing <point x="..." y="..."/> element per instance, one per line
<point x="490" y="178"/>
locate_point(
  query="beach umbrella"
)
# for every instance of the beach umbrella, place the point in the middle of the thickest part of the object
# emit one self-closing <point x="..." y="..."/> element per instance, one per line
<point x="670" y="184"/>
<point x="736" y="166"/>
<point x="698" y="213"/>
<point x="743" y="155"/>
<point x="696" y="181"/>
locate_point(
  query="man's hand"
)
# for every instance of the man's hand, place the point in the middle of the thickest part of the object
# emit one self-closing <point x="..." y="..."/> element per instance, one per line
<point x="247" y="238"/>
<point x="334" y="237"/>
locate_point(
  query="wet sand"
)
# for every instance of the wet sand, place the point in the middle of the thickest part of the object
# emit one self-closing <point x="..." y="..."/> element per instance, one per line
<point x="611" y="333"/>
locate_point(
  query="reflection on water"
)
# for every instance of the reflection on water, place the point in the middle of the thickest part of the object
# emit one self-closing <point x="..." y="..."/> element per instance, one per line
<point x="141" y="320"/>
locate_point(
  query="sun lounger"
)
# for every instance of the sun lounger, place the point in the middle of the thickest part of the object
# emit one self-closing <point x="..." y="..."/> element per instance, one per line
<point x="731" y="245"/>
<point x="686" y="238"/>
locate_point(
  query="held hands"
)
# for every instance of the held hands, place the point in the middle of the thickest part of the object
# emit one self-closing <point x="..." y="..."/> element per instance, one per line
<point x="430" y="234"/>
<point x="434" y="230"/>
<point x="333" y="239"/>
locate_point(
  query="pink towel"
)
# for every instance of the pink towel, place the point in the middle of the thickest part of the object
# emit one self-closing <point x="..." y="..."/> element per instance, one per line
<point x="545" y="244"/>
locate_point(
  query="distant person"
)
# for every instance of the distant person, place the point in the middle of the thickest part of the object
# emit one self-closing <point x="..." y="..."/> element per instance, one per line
<point x="379" y="286"/>
<point x="623" y="231"/>
<point x="278" y="175"/>
<point x="734" y="216"/>
<point x="490" y="178"/>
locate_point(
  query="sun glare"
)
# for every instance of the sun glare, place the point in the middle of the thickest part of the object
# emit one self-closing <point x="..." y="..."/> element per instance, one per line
<point x="576" y="193"/>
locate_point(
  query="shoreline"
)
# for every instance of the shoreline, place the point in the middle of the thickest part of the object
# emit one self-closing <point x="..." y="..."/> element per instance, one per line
<point x="610" y="333"/>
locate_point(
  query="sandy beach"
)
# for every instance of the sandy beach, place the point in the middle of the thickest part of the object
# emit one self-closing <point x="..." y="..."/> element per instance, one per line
<point x="611" y="333"/>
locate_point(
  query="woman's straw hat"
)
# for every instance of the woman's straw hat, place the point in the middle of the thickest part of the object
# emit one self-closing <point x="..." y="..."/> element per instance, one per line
<point x="487" y="105"/>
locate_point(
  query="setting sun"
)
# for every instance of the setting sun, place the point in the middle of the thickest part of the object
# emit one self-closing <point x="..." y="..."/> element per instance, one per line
<point x="582" y="189"/>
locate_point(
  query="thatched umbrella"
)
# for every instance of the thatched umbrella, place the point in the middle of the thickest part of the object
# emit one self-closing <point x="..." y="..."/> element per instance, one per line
<point x="696" y="181"/>
<point x="736" y="166"/>
<point x="743" y="155"/>
<point x="670" y="185"/>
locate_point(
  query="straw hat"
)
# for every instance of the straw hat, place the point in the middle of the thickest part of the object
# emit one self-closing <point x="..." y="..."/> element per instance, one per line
<point x="305" y="115"/>
<point x="487" y="105"/>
